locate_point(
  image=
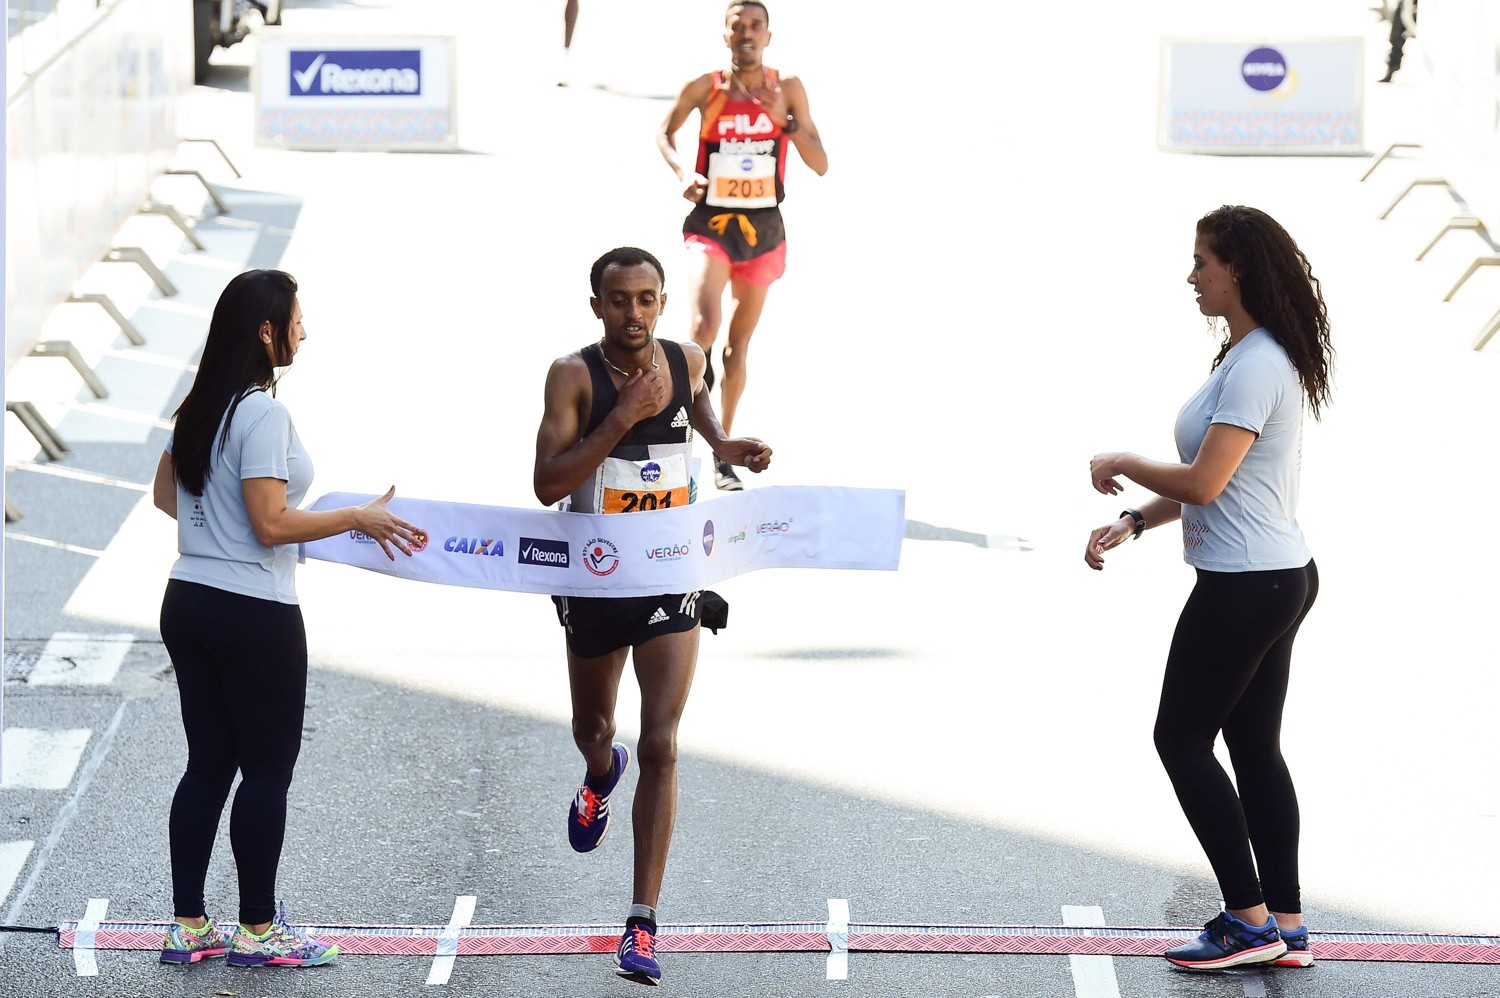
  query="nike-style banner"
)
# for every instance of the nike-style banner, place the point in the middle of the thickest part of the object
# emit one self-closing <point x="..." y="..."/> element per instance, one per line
<point x="683" y="549"/>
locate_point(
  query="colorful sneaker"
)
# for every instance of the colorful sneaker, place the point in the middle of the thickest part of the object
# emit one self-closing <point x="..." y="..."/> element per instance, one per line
<point x="1228" y="942"/>
<point x="185" y="945"/>
<point x="588" y="815"/>
<point x="283" y="945"/>
<point x="635" y="960"/>
<point x="1298" y="949"/>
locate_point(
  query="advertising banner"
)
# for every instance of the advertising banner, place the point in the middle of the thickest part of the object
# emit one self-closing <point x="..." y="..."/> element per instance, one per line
<point x="683" y="549"/>
<point x="345" y="92"/>
<point x="1262" y="96"/>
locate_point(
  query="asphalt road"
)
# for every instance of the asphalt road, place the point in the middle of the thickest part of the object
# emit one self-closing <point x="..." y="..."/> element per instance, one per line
<point x="966" y="740"/>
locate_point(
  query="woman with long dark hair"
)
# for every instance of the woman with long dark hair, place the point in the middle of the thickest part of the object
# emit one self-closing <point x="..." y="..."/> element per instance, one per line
<point x="1234" y="489"/>
<point x="232" y="476"/>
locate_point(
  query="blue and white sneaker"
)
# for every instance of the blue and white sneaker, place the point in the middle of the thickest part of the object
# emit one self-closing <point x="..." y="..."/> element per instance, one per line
<point x="635" y="959"/>
<point x="588" y="815"/>
<point x="1228" y="942"/>
<point x="1298" y="948"/>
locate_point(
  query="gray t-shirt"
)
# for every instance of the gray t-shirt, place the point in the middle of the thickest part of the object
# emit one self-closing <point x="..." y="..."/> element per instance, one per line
<point x="215" y="543"/>
<point x="1252" y="525"/>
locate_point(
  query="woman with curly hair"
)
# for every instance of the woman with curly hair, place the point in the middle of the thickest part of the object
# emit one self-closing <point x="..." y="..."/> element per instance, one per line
<point x="1234" y="489"/>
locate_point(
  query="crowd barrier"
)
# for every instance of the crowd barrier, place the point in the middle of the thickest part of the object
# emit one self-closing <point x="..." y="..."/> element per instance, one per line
<point x="1459" y="82"/>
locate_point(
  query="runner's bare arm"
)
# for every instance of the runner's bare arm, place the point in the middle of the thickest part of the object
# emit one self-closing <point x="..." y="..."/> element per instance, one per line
<point x="164" y="486"/>
<point x="806" y="138"/>
<point x="563" y="461"/>
<point x="692" y="98"/>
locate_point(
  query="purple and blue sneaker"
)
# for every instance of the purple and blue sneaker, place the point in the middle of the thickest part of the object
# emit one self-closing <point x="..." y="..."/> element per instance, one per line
<point x="635" y="959"/>
<point x="1228" y="942"/>
<point x="588" y="815"/>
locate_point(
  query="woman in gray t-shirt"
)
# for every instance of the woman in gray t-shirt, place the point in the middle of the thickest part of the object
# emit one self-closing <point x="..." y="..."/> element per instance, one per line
<point x="232" y="476"/>
<point x="1234" y="490"/>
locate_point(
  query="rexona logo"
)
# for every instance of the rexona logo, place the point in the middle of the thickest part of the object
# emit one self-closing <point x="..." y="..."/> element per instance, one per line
<point x="1264" y="69"/>
<point x="543" y="551"/>
<point x="708" y="539"/>
<point x="487" y="546"/>
<point x="600" y="556"/>
<point x="357" y="73"/>
<point x="670" y="552"/>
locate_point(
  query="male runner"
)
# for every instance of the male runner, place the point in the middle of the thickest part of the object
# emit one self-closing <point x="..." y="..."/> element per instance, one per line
<point x="747" y="114"/>
<point x="616" y="437"/>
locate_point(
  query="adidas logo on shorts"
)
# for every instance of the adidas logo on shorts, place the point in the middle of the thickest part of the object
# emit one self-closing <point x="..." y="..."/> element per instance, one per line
<point x="679" y="421"/>
<point x="657" y="617"/>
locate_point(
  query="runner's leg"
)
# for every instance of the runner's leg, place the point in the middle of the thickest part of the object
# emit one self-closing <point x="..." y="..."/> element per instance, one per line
<point x="594" y="684"/>
<point x="664" y="668"/>
<point x="749" y="302"/>
<point x="706" y="286"/>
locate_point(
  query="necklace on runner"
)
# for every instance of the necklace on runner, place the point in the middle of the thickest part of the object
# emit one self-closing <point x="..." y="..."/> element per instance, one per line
<point x="654" y="365"/>
<point x="734" y="74"/>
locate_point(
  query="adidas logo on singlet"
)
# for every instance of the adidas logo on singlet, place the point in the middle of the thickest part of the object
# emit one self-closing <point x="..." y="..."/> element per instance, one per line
<point x="679" y="421"/>
<point x="657" y="617"/>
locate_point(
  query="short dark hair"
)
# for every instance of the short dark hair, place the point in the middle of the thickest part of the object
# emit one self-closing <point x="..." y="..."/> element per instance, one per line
<point x="623" y="256"/>
<point x="749" y="3"/>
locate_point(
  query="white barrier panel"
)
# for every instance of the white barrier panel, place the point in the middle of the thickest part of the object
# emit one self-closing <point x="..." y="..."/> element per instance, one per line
<point x="1258" y="96"/>
<point x="684" y="549"/>
<point x="355" y="92"/>
<point x="86" y="136"/>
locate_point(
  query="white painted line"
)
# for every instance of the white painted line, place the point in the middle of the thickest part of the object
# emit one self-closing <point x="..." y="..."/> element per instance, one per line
<point x="78" y="475"/>
<point x="1093" y="976"/>
<point x="12" y="535"/>
<point x="72" y="659"/>
<point x="838" y="939"/>
<point x="12" y="862"/>
<point x="447" y="944"/>
<point x="41" y="760"/>
<point x="83" y="938"/>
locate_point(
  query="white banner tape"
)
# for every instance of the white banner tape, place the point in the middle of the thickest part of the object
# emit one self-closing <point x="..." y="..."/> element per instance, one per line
<point x="684" y="549"/>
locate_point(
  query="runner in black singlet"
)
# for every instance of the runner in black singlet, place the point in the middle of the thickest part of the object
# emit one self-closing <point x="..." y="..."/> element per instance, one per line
<point x="616" y="437"/>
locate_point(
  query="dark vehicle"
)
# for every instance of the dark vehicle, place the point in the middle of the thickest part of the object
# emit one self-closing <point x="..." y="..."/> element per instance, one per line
<point x="221" y="23"/>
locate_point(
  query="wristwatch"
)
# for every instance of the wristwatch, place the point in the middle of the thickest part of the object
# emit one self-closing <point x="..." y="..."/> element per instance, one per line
<point x="1140" y="521"/>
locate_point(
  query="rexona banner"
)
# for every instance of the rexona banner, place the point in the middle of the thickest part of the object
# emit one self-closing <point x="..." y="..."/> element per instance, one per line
<point x="1266" y="96"/>
<point x="369" y="92"/>
<point x="682" y="549"/>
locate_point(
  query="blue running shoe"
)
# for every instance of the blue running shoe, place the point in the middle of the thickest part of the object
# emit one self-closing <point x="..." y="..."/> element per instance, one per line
<point x="588" y="816"/>
<point x="1298" y="949"/>
<point x="636" y="958"/>
<point x="1228" y="942"/>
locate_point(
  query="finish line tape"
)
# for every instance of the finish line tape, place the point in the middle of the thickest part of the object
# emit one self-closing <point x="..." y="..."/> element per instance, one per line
<point x="792" y="937"/>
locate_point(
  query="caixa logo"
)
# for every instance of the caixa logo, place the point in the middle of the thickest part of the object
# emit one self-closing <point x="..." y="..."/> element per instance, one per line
<point x="356" y="73"/>
<point x="488" y="546"/>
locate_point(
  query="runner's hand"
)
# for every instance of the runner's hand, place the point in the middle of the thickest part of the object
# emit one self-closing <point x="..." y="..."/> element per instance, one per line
<point x="697" y="188"/>
<point x="747" y="452"/>
<point x="1104" y="538"/>
<point x="375" y="520"/>
<point x="1103" y="470"/>
<point x="643" y="395"/>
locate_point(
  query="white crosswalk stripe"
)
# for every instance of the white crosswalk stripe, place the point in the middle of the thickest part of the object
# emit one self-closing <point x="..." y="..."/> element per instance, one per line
<point x="41" y="760"/>
<point x="12" y="862"/>
<point x="81" y="659"/>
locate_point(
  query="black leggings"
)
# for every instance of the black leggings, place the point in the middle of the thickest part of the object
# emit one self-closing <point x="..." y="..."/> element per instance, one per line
<point x="1227" y="671"/>
<point x="241" y="666"/>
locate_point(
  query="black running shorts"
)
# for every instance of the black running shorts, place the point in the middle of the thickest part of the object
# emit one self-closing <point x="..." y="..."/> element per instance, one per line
<point x="597" y="626"/>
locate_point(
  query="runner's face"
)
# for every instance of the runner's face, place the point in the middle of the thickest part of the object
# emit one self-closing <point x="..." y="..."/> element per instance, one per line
<point x="747" y="34"/>
<point x="629" y="303"/>
<point x="1218" y="294"/>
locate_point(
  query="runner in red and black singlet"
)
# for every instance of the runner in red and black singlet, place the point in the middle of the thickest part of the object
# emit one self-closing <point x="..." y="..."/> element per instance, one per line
<point x="616" y="438"/>
<point x="749" y="115"/>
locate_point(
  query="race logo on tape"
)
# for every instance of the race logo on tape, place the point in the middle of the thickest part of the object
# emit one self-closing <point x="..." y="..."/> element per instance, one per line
<point x="355" y="73"/>
<point x="490" y="547"/>
<point x="543" y="551"/>
<point x="670" y="552"/>
<point x="600" y="556"/>
<point x="708" y="539"/>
